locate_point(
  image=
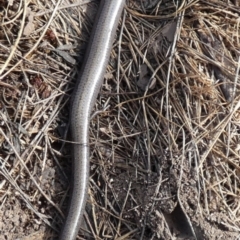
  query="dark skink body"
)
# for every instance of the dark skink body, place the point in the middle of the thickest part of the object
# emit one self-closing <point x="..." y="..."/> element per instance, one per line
<point x="87" y="89"/>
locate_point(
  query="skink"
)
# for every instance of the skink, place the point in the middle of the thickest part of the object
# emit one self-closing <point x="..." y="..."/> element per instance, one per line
<point x="87" y="89"/>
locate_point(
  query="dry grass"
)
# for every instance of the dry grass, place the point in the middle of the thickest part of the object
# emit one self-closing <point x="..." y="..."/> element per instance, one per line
<point x="164" y="132"/>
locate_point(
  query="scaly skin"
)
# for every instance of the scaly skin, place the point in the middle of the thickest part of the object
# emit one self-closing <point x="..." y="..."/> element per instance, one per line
<point x="87" y="89"/>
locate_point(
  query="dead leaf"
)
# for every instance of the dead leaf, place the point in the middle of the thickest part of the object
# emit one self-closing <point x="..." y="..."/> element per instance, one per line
<point x="29" y="28"/>
<point x="169" y="30"/>
<point x="66" y="47"/>
<point x="66" y="56"/>
<point x="145" y="78"/>
<point x="108" y="76"/>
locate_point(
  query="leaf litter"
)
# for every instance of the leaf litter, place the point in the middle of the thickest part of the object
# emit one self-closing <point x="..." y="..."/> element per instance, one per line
<point x="164" y="131"/>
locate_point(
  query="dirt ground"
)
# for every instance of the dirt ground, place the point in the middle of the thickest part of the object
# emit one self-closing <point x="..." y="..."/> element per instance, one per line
<point x="164" y="135"/>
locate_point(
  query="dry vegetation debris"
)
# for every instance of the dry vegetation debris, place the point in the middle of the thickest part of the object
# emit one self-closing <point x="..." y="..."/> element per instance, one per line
<point x="164" y="132"/>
